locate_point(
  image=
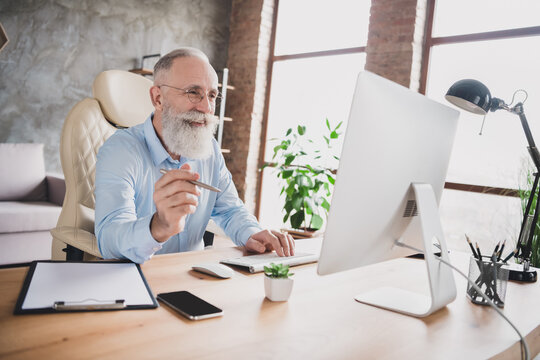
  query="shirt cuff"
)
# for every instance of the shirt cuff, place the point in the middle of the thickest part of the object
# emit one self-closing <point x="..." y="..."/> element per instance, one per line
<point x="148" y="245"/>
<point x="247" y="233"/>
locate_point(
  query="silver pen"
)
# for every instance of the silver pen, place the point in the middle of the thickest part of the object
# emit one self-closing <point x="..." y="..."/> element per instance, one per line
<point x="195" y="182"/>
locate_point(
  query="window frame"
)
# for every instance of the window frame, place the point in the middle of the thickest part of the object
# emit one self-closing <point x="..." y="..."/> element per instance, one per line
<point x="272" y="60"/>
<point x="430" y="42"/>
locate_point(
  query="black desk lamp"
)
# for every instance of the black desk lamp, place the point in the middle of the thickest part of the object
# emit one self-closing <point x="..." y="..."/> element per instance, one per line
<point x="473" y="96"/>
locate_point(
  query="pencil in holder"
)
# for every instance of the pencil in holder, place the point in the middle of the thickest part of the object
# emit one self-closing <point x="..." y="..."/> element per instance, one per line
<point x="491" y="278"/>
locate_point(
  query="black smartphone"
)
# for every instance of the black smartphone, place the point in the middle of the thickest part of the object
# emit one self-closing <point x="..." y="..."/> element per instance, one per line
<point x="189" y="305"/>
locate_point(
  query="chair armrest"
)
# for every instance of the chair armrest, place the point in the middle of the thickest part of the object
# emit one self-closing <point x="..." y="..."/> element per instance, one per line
<point x="80" y="239"/>
<point x="56" y="188"/>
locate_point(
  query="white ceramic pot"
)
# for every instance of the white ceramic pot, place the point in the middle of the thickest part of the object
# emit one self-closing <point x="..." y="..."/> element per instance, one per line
<point x="277" y="289"/>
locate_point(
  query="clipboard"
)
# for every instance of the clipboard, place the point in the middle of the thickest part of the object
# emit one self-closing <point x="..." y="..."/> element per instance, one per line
<point x="74" y="286"/>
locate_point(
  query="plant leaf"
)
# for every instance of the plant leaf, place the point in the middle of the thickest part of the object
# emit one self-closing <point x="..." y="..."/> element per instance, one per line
<point x="325" y="204"/>
<point x="288" y="206"/>
<point x="288" y="132"/>
<point x="290" y="189"/>
<point x="297" y="202"/>
<point x="317" y="185"/>
<point x="304" y="191"/>
<point x="301" y="130"/>
<point x="299" y="179"/>
<point x="331" y="179"/>
<point x="289" y="159"/>
<point x="327" y="187"/>
<point x="309" y="204"/>
<point x="316" y="222"/>
<point x="287" y="173"/>
<point x="328" y="124"/>
<point x="297" y="220"/>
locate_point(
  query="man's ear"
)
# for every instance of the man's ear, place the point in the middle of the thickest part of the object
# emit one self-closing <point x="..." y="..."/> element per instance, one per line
<point x="157" y="97"/>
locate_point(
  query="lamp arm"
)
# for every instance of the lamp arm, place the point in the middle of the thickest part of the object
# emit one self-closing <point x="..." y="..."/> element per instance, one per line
<point x="533" y="150"/>
<point x="525" y="248"/>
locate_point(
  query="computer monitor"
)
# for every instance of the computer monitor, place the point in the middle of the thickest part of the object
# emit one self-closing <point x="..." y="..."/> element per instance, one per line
<point x="391" y="175"/>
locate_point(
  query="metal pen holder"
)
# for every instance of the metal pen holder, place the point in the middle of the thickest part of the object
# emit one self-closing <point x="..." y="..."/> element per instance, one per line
<point x="491" y="278"/>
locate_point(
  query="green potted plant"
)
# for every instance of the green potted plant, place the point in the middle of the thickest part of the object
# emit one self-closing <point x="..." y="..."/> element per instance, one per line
<point x="307" y="180"/>
<point x="277" y="284"/>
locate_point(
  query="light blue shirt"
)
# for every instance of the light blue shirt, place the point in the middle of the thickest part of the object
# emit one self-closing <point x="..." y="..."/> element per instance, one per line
<point x="127" y="168"/>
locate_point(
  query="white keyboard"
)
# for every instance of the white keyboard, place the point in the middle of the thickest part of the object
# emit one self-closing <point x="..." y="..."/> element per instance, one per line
<point x="256" y="263"/>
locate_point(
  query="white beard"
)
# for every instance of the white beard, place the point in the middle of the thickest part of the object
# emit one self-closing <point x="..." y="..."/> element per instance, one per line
<point x="184" y="139"/>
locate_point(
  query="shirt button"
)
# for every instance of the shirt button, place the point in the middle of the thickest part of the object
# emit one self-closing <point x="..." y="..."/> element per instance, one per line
<point x="155" y="248"/>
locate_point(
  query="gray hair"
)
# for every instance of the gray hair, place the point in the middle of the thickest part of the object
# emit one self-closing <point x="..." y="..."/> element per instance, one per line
<point x="165" y="62"/>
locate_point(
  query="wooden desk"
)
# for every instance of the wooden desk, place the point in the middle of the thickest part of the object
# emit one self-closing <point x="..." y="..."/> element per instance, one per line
<point x="321" y="320"/>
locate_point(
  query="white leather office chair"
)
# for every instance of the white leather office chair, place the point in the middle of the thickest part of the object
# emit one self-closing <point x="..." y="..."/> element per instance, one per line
<point x="121" y="99"/>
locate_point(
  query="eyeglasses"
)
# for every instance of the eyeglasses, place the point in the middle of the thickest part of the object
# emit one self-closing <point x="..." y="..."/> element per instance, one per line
<point x="196" y="94"/>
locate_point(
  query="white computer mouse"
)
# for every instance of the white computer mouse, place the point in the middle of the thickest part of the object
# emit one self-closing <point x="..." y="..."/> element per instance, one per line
<point x="214" y="269"/>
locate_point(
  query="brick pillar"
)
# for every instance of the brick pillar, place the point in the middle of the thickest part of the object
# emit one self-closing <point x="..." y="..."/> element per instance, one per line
<point x="249" y="44"/>
<point x="396" y="35"/>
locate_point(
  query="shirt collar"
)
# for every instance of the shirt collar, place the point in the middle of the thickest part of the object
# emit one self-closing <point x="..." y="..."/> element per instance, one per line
<point x="157" y="151"/>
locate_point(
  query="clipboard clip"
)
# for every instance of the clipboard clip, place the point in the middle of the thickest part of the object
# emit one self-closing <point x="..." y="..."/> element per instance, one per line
<point x="89" y="304"/>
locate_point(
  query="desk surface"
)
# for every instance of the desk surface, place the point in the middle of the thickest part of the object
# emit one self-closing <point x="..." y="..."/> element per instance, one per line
<point x="321" y="320"/>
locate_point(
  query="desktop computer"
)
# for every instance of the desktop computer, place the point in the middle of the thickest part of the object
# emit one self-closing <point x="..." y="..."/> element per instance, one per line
<point x="390" y="179"/>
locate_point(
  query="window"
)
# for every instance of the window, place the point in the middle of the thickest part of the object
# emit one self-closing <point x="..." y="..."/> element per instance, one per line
<point x="319" y="50"/>
<point x="498" y="43"/>
<point x="305" y="26"/>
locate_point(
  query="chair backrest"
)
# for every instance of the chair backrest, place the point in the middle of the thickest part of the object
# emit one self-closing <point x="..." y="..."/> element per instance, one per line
<point x="120" y="99"/>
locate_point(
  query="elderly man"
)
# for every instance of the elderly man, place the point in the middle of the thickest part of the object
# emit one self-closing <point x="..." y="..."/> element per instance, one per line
<point x="140" y="211"/>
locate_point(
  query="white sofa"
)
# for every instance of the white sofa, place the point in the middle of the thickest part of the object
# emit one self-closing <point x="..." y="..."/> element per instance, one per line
<point x="30" y="203"/>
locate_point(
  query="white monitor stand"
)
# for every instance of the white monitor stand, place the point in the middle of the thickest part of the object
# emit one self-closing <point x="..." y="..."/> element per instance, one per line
<point x="441" y="280"/>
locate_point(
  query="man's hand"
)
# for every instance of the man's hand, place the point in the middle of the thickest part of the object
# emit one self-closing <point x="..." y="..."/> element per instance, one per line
<point x="268" y="240"/>
<point x="175" y="198"/>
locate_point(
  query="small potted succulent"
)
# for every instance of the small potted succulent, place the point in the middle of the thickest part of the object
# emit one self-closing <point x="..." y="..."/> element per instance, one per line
<point x="277" y="284"/>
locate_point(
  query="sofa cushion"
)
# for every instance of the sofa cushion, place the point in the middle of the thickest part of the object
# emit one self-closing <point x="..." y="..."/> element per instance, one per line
<point x="23" y="172"/>
<point x="25" y="247"/>
<point x="27" y="216"/>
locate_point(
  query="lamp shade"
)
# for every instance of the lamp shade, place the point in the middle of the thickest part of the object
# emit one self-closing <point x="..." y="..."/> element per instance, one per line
<point x="470" y="95"/>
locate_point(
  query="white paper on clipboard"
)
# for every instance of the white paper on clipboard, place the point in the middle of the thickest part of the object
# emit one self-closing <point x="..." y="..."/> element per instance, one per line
<point x="91" y="282"/>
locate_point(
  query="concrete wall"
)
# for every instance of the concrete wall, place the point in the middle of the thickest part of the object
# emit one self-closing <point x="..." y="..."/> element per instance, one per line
<point x="57" y="47"/>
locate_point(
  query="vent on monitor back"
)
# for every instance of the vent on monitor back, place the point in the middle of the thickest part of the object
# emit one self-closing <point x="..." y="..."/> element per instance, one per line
<point x="411" y="209"/>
